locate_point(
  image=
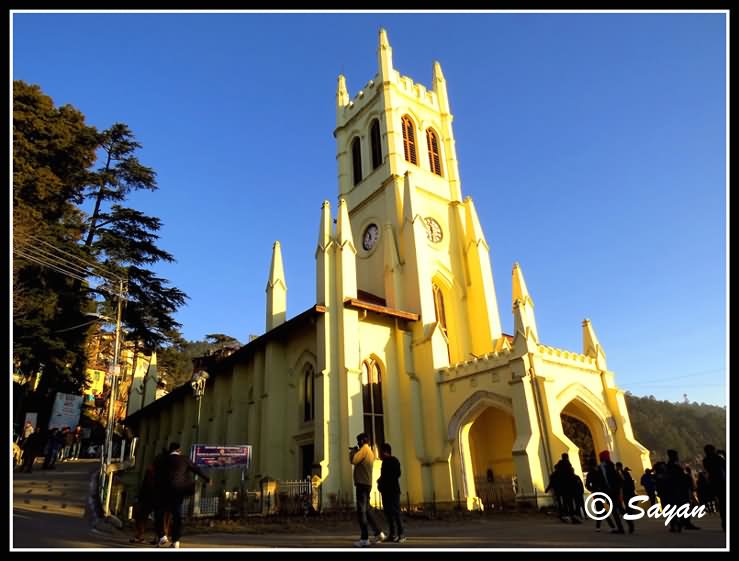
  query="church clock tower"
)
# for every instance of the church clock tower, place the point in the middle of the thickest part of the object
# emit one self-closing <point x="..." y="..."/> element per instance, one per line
<point x="420" y="247"/>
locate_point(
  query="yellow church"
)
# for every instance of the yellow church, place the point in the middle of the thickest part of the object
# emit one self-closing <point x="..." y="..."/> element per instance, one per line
<point x="404" y="341"/>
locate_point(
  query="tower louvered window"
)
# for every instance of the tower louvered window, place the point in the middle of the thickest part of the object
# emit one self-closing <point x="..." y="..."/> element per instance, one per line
<point x="409" y="140"/>
<point x="374" y="424"/>
<point x="432" y="141"/>
<point x="376" y="146"/>
<point x="357" y="160"/>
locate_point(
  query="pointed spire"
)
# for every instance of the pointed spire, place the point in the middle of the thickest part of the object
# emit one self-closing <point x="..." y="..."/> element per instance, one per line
<point x="324" y="230"/>
<point x="591" y="346"/>
<point x="438" y="74"/>
<point x="439" y="84"/>
<point x="346" y="254"/>
<point x="523" y="310"/>
<point x="384" y="57"/>
<point x="276" y="290"/>
<point x="474" y="229"/>
<point x="342" y="95"/>
<point x="524" y="324"/>
<point x="384" y="43"/>
<point x="520" y="291"/>
<point x="276" y="270"/>
<point x="324" y="257"/>
<point x="343" y="227"/>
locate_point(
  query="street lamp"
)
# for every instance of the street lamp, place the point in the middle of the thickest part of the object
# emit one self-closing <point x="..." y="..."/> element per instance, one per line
<point x="197" y="382"/>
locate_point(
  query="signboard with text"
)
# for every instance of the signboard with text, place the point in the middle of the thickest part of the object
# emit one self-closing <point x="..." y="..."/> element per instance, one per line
<point x="224" y="457"/>
<point x="66" y="411"/>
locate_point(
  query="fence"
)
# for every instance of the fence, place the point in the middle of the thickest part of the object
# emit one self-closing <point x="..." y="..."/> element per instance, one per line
<point x="208" y="506"/>
<point x="498" y="494"/>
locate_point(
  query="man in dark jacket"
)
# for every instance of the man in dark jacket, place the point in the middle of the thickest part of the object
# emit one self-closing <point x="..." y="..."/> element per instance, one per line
<point x="389" y="487"/>
<point x="715" y="466"/>
<point x="33" y="445"/>
<point x="595" y="483"/>
<point x="613" y="484"/>
<point x="176" y="482"/>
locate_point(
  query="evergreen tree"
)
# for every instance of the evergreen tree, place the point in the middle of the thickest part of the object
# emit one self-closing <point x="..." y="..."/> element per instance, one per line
<point x="52" y="150"/>
<point x="57" y="245"/>
<point x="124" y="239"/>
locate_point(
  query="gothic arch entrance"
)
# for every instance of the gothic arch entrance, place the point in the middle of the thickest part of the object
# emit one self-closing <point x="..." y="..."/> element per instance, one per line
<point x="491" y="439"/>
<point x="586" y="430"/>
<point x="483" y="431"/>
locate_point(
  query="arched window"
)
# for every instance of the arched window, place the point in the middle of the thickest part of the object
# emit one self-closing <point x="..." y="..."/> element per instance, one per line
<point x="439" y="307"/>
<point x="441" y="316"/>
<point x="374" y="424"/>
<point x="357" y="160"/>
<point x="376" y="146"/>
<point x="432" y="141"/>
<point x="309" y="387"/>
<point x="409" y="140"/>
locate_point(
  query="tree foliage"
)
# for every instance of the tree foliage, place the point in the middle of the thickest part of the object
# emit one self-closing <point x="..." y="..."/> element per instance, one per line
<point x="54" y="152"/>
<point x="685" y="427"/>
<point x="52" y="149"/>
<point x="175" y="362"/>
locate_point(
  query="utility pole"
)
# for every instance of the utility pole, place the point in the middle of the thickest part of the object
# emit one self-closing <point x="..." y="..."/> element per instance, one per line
<point x="108" y="448"/>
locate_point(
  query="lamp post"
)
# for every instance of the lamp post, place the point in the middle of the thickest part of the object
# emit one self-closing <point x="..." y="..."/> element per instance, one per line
<point x="197" y="382"/>
<point x="108" y="448"/>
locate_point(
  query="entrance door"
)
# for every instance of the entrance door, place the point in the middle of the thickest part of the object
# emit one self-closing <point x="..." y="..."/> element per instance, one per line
<point x="306" y="453"/>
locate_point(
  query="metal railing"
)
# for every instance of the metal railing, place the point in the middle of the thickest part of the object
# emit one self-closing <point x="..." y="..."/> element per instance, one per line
<point x="208" y="506"/>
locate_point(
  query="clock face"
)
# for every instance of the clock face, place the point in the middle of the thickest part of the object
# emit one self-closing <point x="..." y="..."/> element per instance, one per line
<point x="433" y="230"/>
<point x="370" y="237"/>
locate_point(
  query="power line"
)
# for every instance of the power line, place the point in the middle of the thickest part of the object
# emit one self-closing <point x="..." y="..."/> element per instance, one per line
<point x="45" y="263"/>
<point x="85" y="262"/>
<point x="62" y="268"/>
<point x="666" y="378"/>
<point x="42" y="253"/>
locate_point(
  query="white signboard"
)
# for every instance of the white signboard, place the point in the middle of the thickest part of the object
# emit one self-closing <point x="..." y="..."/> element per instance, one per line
<point x="66" y="411"/>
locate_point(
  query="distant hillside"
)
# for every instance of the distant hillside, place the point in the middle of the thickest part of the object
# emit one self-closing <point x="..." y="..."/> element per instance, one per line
<point x="685" y="427"/>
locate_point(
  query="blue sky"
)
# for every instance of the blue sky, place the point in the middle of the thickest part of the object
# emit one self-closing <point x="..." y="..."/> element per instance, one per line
<point x="593" y="145"/>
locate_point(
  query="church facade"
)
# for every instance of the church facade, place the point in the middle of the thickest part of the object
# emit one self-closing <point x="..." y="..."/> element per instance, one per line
<point x="405" y="340"/>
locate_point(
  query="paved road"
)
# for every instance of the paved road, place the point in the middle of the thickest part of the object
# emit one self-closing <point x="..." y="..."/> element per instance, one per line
<point x="48" y="512"/>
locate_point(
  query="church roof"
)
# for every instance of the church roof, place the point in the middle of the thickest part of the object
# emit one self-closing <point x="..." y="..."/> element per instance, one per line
<point x="217" y="366"/>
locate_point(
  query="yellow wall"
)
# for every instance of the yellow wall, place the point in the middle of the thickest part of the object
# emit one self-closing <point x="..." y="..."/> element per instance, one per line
<point x="491" y="438"/>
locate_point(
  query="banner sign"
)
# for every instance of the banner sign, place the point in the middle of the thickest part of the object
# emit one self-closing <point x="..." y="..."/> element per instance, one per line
<point x="66" y="411"/>
<point x="226" y="457"/>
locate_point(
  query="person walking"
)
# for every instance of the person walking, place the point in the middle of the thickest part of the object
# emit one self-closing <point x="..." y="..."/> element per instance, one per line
<point x="32" y="446"/>
<point x="68" y="442"/>
<point x="144" y="503"/>
<point x="628" y="492"/>
<point x="613" y="487"/>
<point x="76" y="443"/>
<point x="51" y="450"/>
<point x="595" y="483"/>
<point x="362" y="458"/>
<point x="703" y="491"/>
<point x="678" y="491"/>
<point x="715" y="466"/>
<point x="647" y="481"/>
<point x="389" y="486"/>
<point x="176" y="483"/>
